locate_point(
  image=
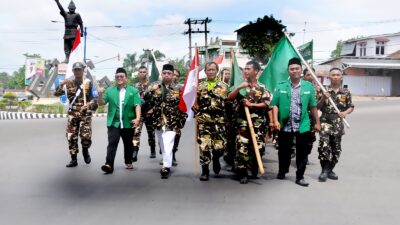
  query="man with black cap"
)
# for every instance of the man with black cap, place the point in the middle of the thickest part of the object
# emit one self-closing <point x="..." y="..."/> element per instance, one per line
<point x="72" y="20"/>
<point x="123" y="114"/>
<point x="291" y="102"/>
<point x="162" y="99"/>
<point x="79" y="114"/>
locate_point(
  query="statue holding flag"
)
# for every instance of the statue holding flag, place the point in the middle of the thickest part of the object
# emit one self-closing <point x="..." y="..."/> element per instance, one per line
<point x="72" y="20"/>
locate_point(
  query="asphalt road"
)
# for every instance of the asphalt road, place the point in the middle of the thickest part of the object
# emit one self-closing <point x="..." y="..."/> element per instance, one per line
<point x="36" y="188"/>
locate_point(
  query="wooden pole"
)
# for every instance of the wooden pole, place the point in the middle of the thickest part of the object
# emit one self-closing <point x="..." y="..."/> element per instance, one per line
<point x="316" y="79"/>
<point x="83" y="85"/>
<point x="254" y="140"/>
<point x="196" y="129"/>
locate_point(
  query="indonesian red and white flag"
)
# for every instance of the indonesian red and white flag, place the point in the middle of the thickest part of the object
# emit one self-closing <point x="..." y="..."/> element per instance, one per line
<point x="76" y="54"/>
<point x="189" y="90"/>
<point x="218" y="61"/>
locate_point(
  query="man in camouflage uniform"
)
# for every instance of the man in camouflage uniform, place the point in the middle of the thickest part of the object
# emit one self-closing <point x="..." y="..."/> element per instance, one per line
<point x="332" y="128"/>
<point x="142" y="86"/>
<point x="210" y="111"/>
<point x="79" y="114"/>
<point x="177" y="74"/>
<point x="257" y="99"/>
<point x="162" y="99"/>
<point x="230" y="148"/>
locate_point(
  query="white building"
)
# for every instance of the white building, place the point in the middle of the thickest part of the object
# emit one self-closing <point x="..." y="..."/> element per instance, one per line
<point x="371" y="65"/>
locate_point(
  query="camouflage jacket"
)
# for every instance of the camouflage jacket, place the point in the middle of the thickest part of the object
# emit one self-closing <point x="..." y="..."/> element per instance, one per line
<point x="142" y="89"/>
<point x="72" y="88"/>
<point x="164" y="112"/>
<point x="212" y="103"/>
<point x="256" y="94"/>
<point x="343" y="101"/>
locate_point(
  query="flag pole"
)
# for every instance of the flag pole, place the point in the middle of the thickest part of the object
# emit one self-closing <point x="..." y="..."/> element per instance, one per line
<point x="316" y="79"/>
<point x="196" y="128"/>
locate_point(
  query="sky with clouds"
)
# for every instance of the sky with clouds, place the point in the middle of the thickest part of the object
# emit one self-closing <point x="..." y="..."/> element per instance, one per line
<point x="26" y="27"/>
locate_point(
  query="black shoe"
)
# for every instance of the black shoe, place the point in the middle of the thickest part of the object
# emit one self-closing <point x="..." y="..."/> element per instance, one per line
<point x="164" y="173"/>
<point x="161" y="162"/>
<point x="204" y="177"/>
<point x="107" y="169"/>
<point x="216" y="165"/>
<point x="332" y="175"/>
<point x="134" y="154"/>
<point x="152" y="152"/>
<point x="302" y="182"/>
<point x="323" y="176"/>
<point x="244" y="180"/>
<point x="205" y="173"/>
<point x="72" y="163"/>
<point x="86" y="156"/>
<point x="174" y="162"/>
<point x="280" y="176"/>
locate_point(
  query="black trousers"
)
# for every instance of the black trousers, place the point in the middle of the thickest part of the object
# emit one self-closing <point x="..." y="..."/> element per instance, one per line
<point x="114" y="134"/>
<point x="285" y="141"/>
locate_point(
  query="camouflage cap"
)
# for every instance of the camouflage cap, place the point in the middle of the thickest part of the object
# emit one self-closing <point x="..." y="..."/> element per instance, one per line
<point x="78" y="65"/>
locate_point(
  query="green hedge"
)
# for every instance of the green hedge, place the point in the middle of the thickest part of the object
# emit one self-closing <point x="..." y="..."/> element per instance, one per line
<point x="51" y="109"/>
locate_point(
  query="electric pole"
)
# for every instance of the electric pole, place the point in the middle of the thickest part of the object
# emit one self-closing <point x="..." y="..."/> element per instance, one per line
<point x="191" y="22"/>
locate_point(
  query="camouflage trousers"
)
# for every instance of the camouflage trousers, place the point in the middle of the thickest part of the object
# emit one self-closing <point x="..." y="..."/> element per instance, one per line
<point x="212" y="139"/>
<point x="81" y="125"/>
<point x="137" y="131"/>
<point x="230" y="148"/>
<point x="245" y="156"/>
<point x="329" y="147"/>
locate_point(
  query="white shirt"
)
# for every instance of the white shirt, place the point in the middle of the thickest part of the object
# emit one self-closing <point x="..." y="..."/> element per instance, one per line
<point x="122" y="92"/>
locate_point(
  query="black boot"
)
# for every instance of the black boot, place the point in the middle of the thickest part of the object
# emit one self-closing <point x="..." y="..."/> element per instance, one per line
<point x="135" y="153"/>
<point x="324" y="173"/>
<point x="332" y="175"/>
<point x="243" y="176"/>
<point x="73" y="162"/>
<point x="86" y="155"/>
<point x="205" y="174"/>
<point x="152" y="152"/>
<point x="174" y="162"/>
<point x="216" y="165"/>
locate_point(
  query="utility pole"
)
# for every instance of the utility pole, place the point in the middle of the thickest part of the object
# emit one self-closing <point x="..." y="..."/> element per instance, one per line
<point x="191" y="22"/>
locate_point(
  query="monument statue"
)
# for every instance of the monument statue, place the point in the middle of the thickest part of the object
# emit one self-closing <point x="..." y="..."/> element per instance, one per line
<point x="72" y="20"/>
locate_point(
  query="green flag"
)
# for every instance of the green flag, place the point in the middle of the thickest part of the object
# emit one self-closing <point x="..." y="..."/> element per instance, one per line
<point x="155" y="74"/>
<point x="236" y="77"/>
<point x="277" y="67"/>
<point x="306" y="50"/>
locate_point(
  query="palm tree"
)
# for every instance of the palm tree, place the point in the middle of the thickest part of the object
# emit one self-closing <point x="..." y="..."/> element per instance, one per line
<point x="130" y="63"/>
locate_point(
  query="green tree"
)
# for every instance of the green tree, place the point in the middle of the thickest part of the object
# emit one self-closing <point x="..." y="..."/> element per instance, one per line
<point x="260" y="37"/>
<point x="181" y="66"/>
<point x="130" y="63"/>
<point x="17" y="80"/>
<point x="336" y="53"/>
<point x="4" y="78"/>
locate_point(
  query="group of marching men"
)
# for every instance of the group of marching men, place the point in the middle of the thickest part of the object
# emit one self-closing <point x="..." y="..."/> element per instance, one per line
<point x="232" y="122"/>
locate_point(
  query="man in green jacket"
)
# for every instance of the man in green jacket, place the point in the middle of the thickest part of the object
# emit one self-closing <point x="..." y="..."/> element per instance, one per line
<point x="291" y="102"/>
<point x="123" y="113"/>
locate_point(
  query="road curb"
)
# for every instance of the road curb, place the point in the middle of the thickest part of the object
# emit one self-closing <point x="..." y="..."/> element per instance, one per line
<point x="29" y="115"/>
